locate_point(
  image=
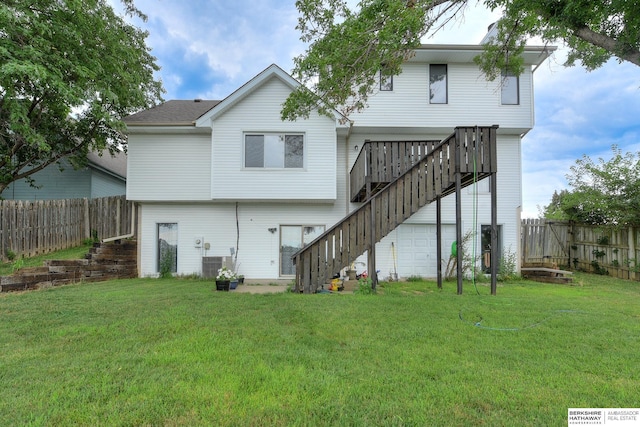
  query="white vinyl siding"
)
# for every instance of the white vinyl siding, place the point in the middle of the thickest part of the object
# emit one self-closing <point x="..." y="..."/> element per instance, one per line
<point x="258" y="247"/>
<point x="215" y="222"/>
<point x="169" y="167"/>
<point x="259" y="114"/>
<point x="471" y="100"/>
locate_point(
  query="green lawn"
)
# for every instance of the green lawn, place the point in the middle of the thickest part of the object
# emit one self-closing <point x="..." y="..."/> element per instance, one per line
<point x="175" y="352"/>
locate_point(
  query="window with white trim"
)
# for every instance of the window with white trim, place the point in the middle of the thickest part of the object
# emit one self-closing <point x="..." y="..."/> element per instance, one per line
<point x="438" y="84"/>
<point x="273" y="150"/>
<point x="510" y="89"/>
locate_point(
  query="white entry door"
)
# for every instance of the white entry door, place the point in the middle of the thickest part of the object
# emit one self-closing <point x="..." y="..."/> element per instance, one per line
<point x="417" y="254"/>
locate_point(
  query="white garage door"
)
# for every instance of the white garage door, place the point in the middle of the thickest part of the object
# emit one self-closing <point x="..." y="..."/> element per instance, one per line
<point x="417" y="255"/>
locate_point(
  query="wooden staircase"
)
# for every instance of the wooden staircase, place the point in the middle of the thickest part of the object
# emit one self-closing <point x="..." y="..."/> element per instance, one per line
<point x="466" y="156"/>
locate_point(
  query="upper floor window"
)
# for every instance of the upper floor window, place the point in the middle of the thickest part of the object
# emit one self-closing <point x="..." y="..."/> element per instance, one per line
<point x="510" y="88"/>
<point x="273" y="150"/>
<point x="386" y="82"/>
<point x="438" y="83"/>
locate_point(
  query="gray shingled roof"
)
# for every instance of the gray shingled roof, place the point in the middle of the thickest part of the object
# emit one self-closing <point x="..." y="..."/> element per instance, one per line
<point x="176" y="112"/>
<point x="115" y="164"/>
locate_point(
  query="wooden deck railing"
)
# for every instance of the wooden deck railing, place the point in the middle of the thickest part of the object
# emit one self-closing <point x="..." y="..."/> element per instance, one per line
<point x="380" y="162"/>
<point x="469" y="150"/>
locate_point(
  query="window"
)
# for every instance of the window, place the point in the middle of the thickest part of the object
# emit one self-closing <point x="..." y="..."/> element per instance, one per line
<point x="510" y="89"/>
<point x="386" y="82"/>
<point x="167" y="248"/>
<point x="438" y="84"/>
<point x="273" y="151"/>
<point x="292" y="239"/>
<point x="485" y="242"/>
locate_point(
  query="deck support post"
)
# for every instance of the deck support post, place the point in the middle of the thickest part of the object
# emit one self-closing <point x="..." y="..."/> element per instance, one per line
<point x="494" y="236"/>
<point x="439" y="240"/>
<point x="371" y="261"/>
<point x="494" y="218"/>
<point x="459" y="238"/>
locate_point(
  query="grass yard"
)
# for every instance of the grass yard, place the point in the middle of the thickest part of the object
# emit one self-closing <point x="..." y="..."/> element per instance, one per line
<point x="174" y="352"/>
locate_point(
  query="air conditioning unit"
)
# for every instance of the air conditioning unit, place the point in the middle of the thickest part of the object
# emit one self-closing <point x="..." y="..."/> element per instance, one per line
<point x="211" y="265"/>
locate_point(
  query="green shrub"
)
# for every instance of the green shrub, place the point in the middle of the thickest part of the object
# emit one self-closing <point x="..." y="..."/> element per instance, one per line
<point x="507" y="267"/>
<point x="17" y="265"/>
<point x="365" y="287"/>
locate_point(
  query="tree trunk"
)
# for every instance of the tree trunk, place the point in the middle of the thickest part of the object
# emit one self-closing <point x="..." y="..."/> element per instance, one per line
<point x="607" y="43"/>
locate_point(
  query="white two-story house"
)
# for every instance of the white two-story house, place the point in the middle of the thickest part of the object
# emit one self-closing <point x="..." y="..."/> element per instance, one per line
<point x="225" y="180"/>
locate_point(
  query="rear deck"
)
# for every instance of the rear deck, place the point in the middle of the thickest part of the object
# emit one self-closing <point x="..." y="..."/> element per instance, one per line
<point x="394" y="180"/>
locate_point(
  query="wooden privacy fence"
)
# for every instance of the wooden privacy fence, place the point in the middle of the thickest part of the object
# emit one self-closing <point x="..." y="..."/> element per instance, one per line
<point x="597" y="249"/>
<point x="29" y="228"/>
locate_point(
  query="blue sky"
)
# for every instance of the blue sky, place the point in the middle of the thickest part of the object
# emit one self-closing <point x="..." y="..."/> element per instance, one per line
<point x="209" y="48"/>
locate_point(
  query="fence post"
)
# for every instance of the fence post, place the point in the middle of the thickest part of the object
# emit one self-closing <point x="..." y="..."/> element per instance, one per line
<point x="118" y="217"/>
<point x="631" y="239"/>
<point x="87" y="221"/>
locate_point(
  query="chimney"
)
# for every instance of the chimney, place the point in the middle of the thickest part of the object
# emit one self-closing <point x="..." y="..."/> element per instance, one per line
<point x="492" y="33"/>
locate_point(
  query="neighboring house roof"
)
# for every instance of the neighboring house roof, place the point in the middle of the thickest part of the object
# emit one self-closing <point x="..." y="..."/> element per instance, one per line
<point x="114" y="165"/>
<point x="172" y="113"/>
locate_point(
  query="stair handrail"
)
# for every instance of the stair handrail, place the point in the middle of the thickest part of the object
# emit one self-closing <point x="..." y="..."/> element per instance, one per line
<point x="366" y="204"/>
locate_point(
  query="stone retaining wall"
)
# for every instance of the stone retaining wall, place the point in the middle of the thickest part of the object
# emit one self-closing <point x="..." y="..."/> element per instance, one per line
<point x="105" y="261"/>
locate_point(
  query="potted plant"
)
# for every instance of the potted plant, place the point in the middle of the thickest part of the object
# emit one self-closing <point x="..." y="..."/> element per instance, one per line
<point x="351" y="271"/>
<point x="224" y="278"/>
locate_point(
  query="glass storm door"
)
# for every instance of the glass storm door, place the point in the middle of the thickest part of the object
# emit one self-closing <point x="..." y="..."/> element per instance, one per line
<point x="292" y="239"/>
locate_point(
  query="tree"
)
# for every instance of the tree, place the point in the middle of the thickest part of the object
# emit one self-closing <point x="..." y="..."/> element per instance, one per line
<point x="348" y="49"/>
<point x="69" y="72"/>
<point x="603" y="192"/>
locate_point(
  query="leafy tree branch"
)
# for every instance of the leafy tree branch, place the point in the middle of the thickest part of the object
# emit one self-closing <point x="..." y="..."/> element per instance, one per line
<point x="350" y="49"/>
<point x="69" y="73"/>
